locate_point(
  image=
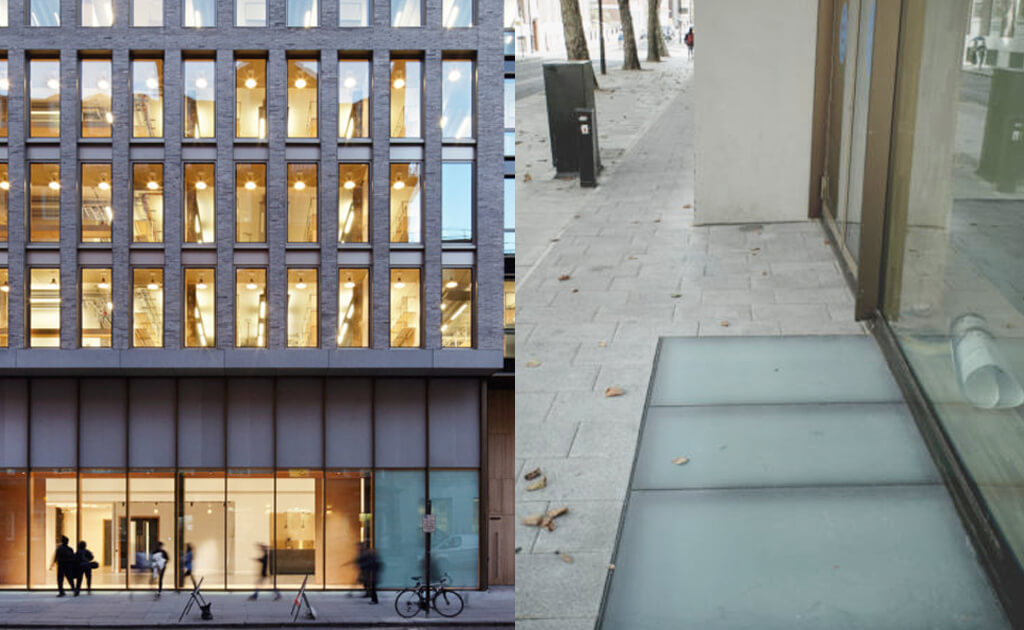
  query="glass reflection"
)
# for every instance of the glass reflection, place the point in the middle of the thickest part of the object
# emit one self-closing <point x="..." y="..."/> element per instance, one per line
<point x="405" y="308"/>
<point x="353" y="308"/>
<point x="354" y="99"/>
<point x="44" y="13"/>
<point x="200" y="82"/>
<point x="251" y="308"/>
<point x="200" y="13"/>
<point x="199" y="203"/>
<point x="302" y="203"/>
<point x="347" y="523"/>
<point x="148" y="98"/>
<point x="44" y="203"/>
<point x="457" y="308"/>
<point x="103" y="521"/>
<point x="457" y="201"/>
<point x="399" y="505"/>
<point x="406" y="13"/>
<point x="14" y="542"/>
<point x="406" y="98"/>
<point x="510" y="215"/>
<point x="298" y="528"/>
<point x="149" y="525"/>
<point x="353" y="12"/>
<point x="97" y="209"/>
<point x="250" y="517"/>
<point x="97" y="308"/>
<point x="455" y="543"/>
<point x="97" y="92"/>
<point x="147" y="12"/>
<point x="303" y="309"/>
<point x="302" y="13"/>
<point x="97" y="12"/>
<point x="44" y="98"/>
<point x="203" y="527"/>
<point x="5" y="290"/>
<point x="405" y="203"/>
<point x="44" y="308"/>
<point x="457" y="99"/>
<point x="5" y="187"/>
<point x="5" y="88"/>
<point x="148" y="203"/>
<point x="250" y="12"/>
<point x="148" y="308"/>
<point x="458" y="13"/>
<point x="53" y="513"/>
<point x="353" y="203"/>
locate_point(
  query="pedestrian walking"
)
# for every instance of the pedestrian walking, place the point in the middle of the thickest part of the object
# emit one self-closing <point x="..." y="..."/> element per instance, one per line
<point x="159" y="561"/>
<point x="689" y="42"/>
<point x="186" y="563"/>
<point x="264" y="562"/>
<point x="64" y="559"/>
<point x="84" y="564"/>
<point x="369" y="567"/>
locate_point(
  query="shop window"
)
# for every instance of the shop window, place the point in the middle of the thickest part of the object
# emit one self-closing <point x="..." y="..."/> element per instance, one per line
<point x="353" y="308"/>
<point x="457" y="201"/>
<point x="302" y="13"/>
<point x="457" y="308"/>
<point x="298" y="528"/>
<point x="97" y="308"/>
<point x="44" y="308"/>
<point x="405" y="203"/>
<point x="353" y="13"/>
<point x="250" y="12"/>
<point x="302" y="98"/>
<point x="97" y="209"/>
<point x="251" y="308"/>
<point x="406" y="13"/>
<point x="204" y="515"/>
<point x="97" y="12"/>
<point x="250" y="523"/>
<point x="458" y="13"/>
<point x="148" y="203"/>
<point x="200" y="312"/>
<point x="105" y="522"/>
<point x="44" y="98"/>
<point x="147" y="12"/>
<point x="353" y="203"/>
<point x="354" y="98"/>
<point x="406" y="98"/>
<point x="454" y="546"/>
<point x="457" y="99"/>
<point x="53" y="509"/>
<point x="510" y="216"/>
<point x="44" y="203"/>
<point x="347" y="524"/>
<point x="148" y="98"/>
<point x="199" y="203"/>
<point x="510" y="319"/>
<point x="200" y="88"/>
<point x="399" y="505"/>
<point x="200" y="13"/>
<point x="405" y="308"/>
<point x="14" y="541"/>
<point x="5" y="88"/>
<point x="302" y="203"/>
<point x="251" y="203"/>
<point x="303" y="309"/>
<point x="5" y="187"/>
<point x="148" y="308"/>
<point x="5" y="290"/>
<point x="150" y="525"/>
<point x="44" y="13"/>
<point x="251" y="98"/>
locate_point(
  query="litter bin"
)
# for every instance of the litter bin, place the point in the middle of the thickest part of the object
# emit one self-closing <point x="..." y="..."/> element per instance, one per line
<point x="568" y="86"/>
<point x="1002" y="148"/>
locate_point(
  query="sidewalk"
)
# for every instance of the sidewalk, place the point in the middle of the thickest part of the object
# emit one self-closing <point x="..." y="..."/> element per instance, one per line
<point x="637" y="269"/>
<point x="484" y="609"/>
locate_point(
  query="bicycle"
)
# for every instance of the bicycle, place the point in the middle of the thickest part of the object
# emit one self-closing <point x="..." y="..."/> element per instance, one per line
<point x="411" y="601"/>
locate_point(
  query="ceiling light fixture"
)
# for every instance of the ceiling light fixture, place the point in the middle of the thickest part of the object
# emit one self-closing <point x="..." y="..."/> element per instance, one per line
<point x="152" y="185"/>
<point x="103" y="84"/>
<point x="152" y="286"/>
<point x="300" y="185"/>
<point x="451" y="284"/>
<point x="399" y="83"/>
<point x="399" y="284"/>
<point x="5" y="185"/>
<point x="200" y="185"/>
<point x="250" y="83"/>
<point x="53" y="84"/>
<point x="250" y="185"/>
<point x="454" y="76"/>
<point x="201" y="83"/>
<point x="251" y="285"/>
<point x="201" y="286"/>
<point x="350" y="82"/>
<point x="300" y="284"/>
<point x="349" y="284"/>
<point x="152" y="83"/>
<point x="54" y="185"/>
<point x="4" y="287"/>
<point x="300" y="83"/>
<point x="104" y="185"/>
<point x="349" y="184"/>
<point x="399" y="184"/>
<point x="103" y="284"/>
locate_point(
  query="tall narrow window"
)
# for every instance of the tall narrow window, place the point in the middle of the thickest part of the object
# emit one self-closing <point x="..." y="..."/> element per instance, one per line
<point x="148" y="98"/>
<point x="97" y="212"/>
<point x="457" y="99"/>
<point x="44" y="97"/>
<point x="405" y="203"/>
<point x="457" y="308"/>
<point x="97" y="115"/>
<point x="510" y="320"/>
<point x="353" y="308"/>
<point x="458" y="13"/>
<point x="251" y="98"/>
<point x="44" y="12"/>
<point x="251" y="308"/>
<point x="200" y="13"/>
<point x="510" y="216"/>
<point x="303" y="312"/>
<point x="148" y="308"/>
<point x="199" y="203"/>
<point x="302" y="91"/>
<point x="405" y="308"/>
<point x="5" y="187"/>
<point x="353" y="13"/>
<point x="44" y="308"/>
<point x="97" y="12"/>
<point x="406" y="13"/>
<point x="250" y="12"/>
<point x="199" y="98"/>
<point x="353" y="98"/>
<point x="148" y="203"/>
<point x="353" y="203"/>
<point x="302" y="13"/>
<point x="302" y="203"/>
<point x="457" y="201"/>
<point x="200" y="321"/>
<point x="44" y="203"/>
<point x="97" y="308"/>
<point x="406" y="101"/>
<point x="5" y="88"/>
<point x="251" y="203"/>
<point x="5" y="290"/>
<point x="147" y="12"/>
<point x="3" y="13"/>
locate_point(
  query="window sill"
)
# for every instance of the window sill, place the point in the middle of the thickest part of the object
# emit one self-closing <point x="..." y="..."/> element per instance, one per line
<point x="410" y="141"/>
<point x="313" y="246"/>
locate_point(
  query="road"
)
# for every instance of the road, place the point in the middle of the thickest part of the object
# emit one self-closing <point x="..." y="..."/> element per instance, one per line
<point x="529" y="77"/>
<point x="974" y="87"/>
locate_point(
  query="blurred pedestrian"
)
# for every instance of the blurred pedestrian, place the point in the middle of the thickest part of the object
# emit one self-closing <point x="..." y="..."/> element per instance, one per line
<point x="264" y="561"/>
<point x="186" y="563"/>
<point x="369" y="568"/>
<point x="159" y="561"/>
<point x="64" y="559"/>
<point x="689" y="42"/>
<point x="84" y="565"/>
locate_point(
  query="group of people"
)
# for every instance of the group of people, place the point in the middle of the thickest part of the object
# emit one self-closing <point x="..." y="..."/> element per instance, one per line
<point x="73" y="565"/>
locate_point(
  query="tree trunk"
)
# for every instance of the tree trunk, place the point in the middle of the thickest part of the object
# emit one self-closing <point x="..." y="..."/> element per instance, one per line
<point x="631" y="60"/>
<point x="662" y="46"/>
<point x="572" y="24"/>
<point x="652" y="31"/>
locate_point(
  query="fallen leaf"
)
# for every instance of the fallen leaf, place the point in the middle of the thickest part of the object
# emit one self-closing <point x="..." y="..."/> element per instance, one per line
<point x="575" y="290"/>
<point x="755" y="249"/>
<point x="538" y="485"/>
<point x="533" y="474"/>
<point x="566" y="558"/>
<point x="532" y="363"/>
<point x="554" y="240"/>
<point x="575" y="216"/>
<point x="657" y="220"/>
<point x="602" y="344"/>
<point x="611" y="567"/>
<point x="527" y="177"/>
<point x="564" y="277"/>
<point x="613" y="391"/>
<point x="677" y="295"/>
<point x="679" y="461"/>
<point x="533" y="520"/>
<point x="689" y="205"/>
<point x="725" y="324"/>
<point x="764" y="273"/>
<point x="550" y="526"/>
<point x="630" y="257"/>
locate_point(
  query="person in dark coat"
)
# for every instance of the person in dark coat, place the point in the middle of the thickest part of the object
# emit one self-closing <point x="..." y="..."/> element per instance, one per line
<point x="264" y="561"/>
<point x="369" y="568"/>
<point x="160" y="559"/>
<point x="83" y="564"/>
<point x="64" y="558"/>
<point x="186" y="563"/>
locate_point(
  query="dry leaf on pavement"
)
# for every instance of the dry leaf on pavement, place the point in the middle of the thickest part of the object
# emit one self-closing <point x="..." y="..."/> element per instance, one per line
<point x="537" y="485"/>
<point x="602" y="344"/>
<point x="533" y="520"/>
<point x="725" y="324"/>
<point x="527" y="177"/>
<point x="679" y="461"/>
<point x="689" y="205"/>
<point x="533" y="474"/>
<point x="564" y="277"/>
<point x="566" y="558"/>
<point x="613" y="391"/>
<point x="532" y="363"/>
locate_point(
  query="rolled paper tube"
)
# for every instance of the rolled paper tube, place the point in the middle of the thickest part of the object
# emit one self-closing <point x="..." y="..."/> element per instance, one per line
<point x="984" y="376"/>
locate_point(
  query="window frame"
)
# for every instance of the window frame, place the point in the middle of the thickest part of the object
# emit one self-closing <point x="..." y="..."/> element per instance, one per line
<point x="472" y="202"/>
<point x="162" y="88"/>
<point x="234" y="205"/>
<point x="28" y="308"/>
<point x="391" y="14"/>
<point x="473" y="98"/>
<point x="289" y="59"/>
<point x="163" y="307"/>
<point x="235" y="268"/>
<point x="81" y="95"/>
<point x="185" y="60"/>
<point x="473" y="305"/>
<point x="422" y="319"/>
<point x="369" y="200"/>
<point x="369" y="14"/>
<point x="184" y="307"/>
<point x="81" y="204"/>
<point x="421" y="137"/>
<point x="368" y="60"/>
<point x="163" y="201"/>
<point x="27" y="98"/>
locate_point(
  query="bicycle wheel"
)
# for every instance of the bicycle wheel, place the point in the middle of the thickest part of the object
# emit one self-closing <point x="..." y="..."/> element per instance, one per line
<point x="448" y="603"/>
<point x="407" y="604"/>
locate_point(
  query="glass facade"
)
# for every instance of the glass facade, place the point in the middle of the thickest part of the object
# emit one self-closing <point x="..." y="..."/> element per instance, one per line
<point x="457" y="201"/>
<point x="353" y="203"/>
<point x="97" y="308"/>
<point x="458" y="13"/>
<point x="44" y="12"/>
<point x="251" y="308"/>
<point x="405" y="308"/>
<point x="457" y="308"/>
<point x="148" y="13"/>
<point x="199" y="90"/>
<point x="251" y="98"/>
<point x="200" y="13"/>
<point x="97" y="92"/>
<point x="199" y="203"/>
<point x="44" y="308"/>
<point x="148" y="203"/>
<point x="44" y="203"/>
<point x="303" y="308"/>
<point x="406" y="13"/>
<point x="406" y="98"/>
<point x="5" y="290"/>
<point x="354" y="12"/>
<point x="303" y="13"/>
<point x="5" y="89"/>
<point x="5" y="187"/>
<point x="97" y="12"/>
<point x="509" y="346"/>
<point x="406" y="213"/>
<point x="354" y="98"/>
<point x="250" y="12"/>
<point x="302" y="98"/>
<point x="200" y="311"/>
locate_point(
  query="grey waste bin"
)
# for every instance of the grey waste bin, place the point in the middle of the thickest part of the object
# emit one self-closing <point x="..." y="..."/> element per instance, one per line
<point x="1002" y="148"/>
<point x="568" y="86"/>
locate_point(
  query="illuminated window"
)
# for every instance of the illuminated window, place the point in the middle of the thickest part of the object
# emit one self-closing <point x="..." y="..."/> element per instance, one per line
<point x="406" y="13"/>
<point x="97" y="308"/>
<point x="44" y="98"/>
<point x="353" y="308"/>
<point x="405" y="308"/>
<point x="251" y="308"/>
<point x="148" y="203"/>
<point x="353" y="12"/>
<point x="200" y="13"/>
<point x="354" y="98"/>
<point x="406" y="98"/>
<point x="199" y="203"/>
<point x="97" y="212"/>
<point x="353" y="203"/>
<point x="44" y="308"/>
<point x="302" y="13"/>
<point x="302" y="202"/>
<point x="97" y="12"/>
<point x="44" y="13"/>
<point x="5" y="87"/>
<point x="200" y="321"/>
<point x="510" y="319"/>
<point x="5" y="187"/>
<point x="457" y="201"/>
<point x="303" y="312"/>
<point x="251" y="203"/>
<point x="200" y="82"/>
<point x="457" y="99"/>
<point x="148" y="98"/>
<point x="147" y="12"/>
<point x="148" y="308"/>
<point x="251" y="98"/>
<point x="250" y="12"/>
<point x="405" y="203"/>
<point x="458" y="13"/>
<point x="457" y="308"/>
<point x="44" y="203"/>
<point x="5" y="290"/>
<point x="302" y="89"/>
<point x="97" y="116"/>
